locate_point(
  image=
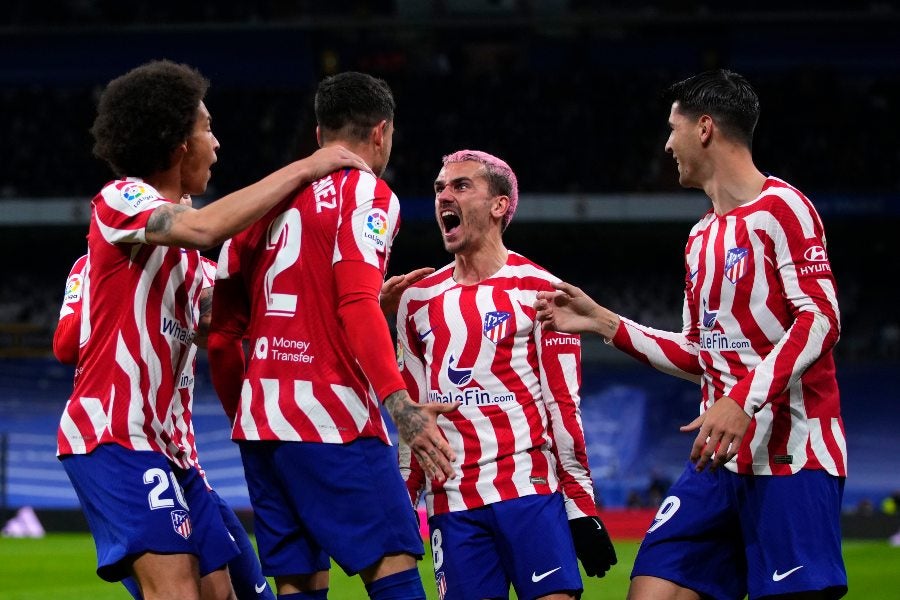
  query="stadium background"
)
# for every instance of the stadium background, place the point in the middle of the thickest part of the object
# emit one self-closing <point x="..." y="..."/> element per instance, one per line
<point x="568" y="92"/>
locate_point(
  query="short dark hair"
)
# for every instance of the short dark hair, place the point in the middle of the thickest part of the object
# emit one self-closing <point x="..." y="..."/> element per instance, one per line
<point x="724" y="95"/>
<point x="145" y="114"/>
<point x="349" y="104"/>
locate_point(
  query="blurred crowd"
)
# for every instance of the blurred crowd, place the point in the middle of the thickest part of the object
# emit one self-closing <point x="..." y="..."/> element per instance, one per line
<point x="568" y="92"/>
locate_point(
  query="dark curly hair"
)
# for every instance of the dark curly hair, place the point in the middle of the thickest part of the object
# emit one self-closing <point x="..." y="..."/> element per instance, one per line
<point x="145" y="114"/>
<point x="349" y="104"/>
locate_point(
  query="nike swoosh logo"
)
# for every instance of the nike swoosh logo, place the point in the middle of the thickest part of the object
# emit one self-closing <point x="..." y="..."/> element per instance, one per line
<point x="776" y="576"/>
<point x="694" y="273"/>
<point x="259" y="588"/>
<point x="422" y="336"/>
<point x="535" y="577"/>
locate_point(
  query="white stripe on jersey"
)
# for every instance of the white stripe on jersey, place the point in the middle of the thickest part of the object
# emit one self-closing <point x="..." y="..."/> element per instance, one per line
<point x="135" y="410"/>
<point x="358" y="411"/>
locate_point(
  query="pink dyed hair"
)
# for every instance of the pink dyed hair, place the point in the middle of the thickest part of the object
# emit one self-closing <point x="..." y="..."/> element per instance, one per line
<point x="501" y="179"/>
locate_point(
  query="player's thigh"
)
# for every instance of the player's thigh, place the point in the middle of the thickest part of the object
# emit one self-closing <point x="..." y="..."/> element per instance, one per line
<point x="465" y="556"/>
<point x="167" y="575"/>
<point x="535" y="545"/>
<point x="695" y="538"/>
<point x="351" y="499"/>
<point x="792" y="528"/>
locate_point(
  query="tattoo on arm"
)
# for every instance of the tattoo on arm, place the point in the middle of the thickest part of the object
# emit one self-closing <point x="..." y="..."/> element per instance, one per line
<point x="206" y="298"/>
<point x="409" y="420"/>
<point x="161" y="219"/>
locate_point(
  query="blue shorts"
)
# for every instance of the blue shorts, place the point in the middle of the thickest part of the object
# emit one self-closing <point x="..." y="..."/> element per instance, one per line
<point x="725" y="535"/>
<point x="133" y="506"/>
<point x="525" y="541"/>
<point x="312" y="501"/>
<point x="246" y="573"/>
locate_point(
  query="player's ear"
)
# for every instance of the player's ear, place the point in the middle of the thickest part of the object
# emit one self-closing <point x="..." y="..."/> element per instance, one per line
<point x="378" y="132"/>
<point x="319" y="136"/>
<point x="500" y="206"/>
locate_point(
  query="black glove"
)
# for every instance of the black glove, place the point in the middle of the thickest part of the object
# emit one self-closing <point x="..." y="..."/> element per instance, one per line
<point x="592" y="545"/>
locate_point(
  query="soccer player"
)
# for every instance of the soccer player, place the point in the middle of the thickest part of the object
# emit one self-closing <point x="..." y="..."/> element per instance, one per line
<point x="467" y="333"/>
<point x="304" y="284"/>
<point x="244" y="569"/>
<point x="148" y="508"/>
<point x="760" y="321"/>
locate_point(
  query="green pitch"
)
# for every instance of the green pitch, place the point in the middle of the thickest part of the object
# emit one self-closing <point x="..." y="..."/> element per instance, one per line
<point x="62" y="566"/>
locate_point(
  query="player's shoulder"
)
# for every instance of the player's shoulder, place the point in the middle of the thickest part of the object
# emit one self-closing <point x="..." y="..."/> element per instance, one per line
<point x="129" y="191"/>
<point x="521" y="267"/>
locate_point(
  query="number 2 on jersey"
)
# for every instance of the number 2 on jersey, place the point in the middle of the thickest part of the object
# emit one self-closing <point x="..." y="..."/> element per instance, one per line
<point x="284" y="238"/>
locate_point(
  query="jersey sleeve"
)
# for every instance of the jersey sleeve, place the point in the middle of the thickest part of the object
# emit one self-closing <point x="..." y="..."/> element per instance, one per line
<point x="123" y="208"/>
<point x="369" y="220"/>
<point x="808" y="288"/>
<point x="559" y="360"/>
<point x="367" y="333"/>
<point x="66" y="336"/>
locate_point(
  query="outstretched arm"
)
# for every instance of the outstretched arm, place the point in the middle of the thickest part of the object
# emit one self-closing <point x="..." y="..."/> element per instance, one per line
<point x="179" y="225"/>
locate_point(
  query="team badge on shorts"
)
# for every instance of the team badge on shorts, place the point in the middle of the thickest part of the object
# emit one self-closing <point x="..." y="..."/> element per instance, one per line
<point x="441" y="582"/>
<point x="181" y="523"/>
<point x="496" y="325"/>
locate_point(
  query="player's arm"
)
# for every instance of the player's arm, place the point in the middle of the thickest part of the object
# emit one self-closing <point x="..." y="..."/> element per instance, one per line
<point x="559" y="361"/>
<point x="358" y="286"/>
<point x="179" y="225"/>
<point x="412" y="369"/>
<point x="569" y="309"/>
<point x="227" y="327"/>
<point x="68" y="328"/>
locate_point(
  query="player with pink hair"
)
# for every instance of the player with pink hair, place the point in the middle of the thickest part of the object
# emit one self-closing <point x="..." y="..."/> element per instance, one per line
<point x="467" y="334"/>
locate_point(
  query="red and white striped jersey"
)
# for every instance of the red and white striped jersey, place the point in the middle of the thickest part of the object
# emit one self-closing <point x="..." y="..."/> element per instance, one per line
<point x="518" y="430"/>
<point x="139" y="315"/>
<point x="760" y="320"/>
<point x="302" y="382"/>
<point x="181" y="411"/>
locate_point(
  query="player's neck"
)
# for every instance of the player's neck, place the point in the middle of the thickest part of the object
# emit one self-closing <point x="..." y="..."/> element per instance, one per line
<point x="362" y="149"/>
<point x="734" y="181"/>
<point x="474" y="267"/>
<point x="167" y="183"/>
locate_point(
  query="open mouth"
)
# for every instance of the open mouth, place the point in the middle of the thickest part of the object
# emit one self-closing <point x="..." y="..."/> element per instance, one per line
<point x="449" y="220"/>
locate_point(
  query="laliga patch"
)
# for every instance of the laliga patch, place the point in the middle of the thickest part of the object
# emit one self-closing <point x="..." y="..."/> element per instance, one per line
<point x="136" y="194"/>
<point x="497" y="325"/>
<point x="375" y="229"/>
<point x="74" y="286"/>
<point x="737" y="263"/>
<point x="181" y="523"/>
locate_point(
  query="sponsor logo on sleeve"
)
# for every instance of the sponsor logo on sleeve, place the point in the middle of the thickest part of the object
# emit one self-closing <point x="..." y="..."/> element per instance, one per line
<point x="375" y="229"/>
<point x="817" y="260"/>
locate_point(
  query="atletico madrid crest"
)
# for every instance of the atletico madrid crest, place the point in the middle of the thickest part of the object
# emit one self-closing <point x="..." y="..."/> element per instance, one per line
<point x="441" y="581"/>
<point x="736" y="264"/>
<point x="181" y="522"/>
<point x="497" y="325"/>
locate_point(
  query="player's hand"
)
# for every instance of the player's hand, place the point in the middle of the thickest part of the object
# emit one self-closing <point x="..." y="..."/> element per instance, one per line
<point x="722" y="428"/>
<point x="592" y="545"/>
<point x="328" y="160"/>
<point x="417" y="426"/>
<point x="393" y="288"/>
<point x="570" y="310"/>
